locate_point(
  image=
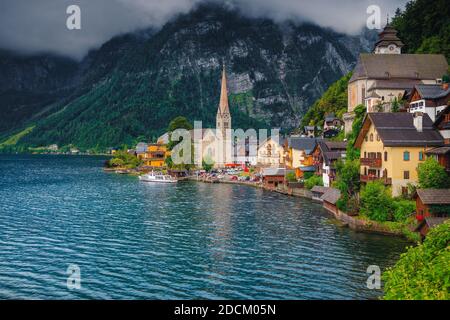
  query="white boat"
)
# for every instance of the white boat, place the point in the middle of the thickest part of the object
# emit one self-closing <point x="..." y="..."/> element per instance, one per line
<point x="157" y="177"/>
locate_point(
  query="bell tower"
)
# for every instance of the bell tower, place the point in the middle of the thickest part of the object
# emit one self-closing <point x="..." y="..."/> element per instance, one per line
<point x="223" y="118"/>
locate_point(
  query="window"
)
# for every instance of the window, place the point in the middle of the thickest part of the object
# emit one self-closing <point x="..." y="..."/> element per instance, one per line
<point x="406" y="175"/>
<point x="385" y="156"/>
<point x="365" y="154"/>
<point x="378" y="137"/>
<point x="405" y="191"/>
<point x="371" y="137"/>
<point x="406" y="156"/>
<point x="366" y="138"/>
<point x="420" y="156"/>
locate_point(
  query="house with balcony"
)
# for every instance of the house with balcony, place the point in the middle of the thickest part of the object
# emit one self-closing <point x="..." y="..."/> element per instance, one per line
<point x="325" y="156"/>
<point x="393" y="145"/>
<point x="431" y="99"/>
<point x="154" y="156"/>
<point x="298" y="154"/>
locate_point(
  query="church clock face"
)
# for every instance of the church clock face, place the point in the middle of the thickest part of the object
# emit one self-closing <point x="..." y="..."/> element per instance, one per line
<point x="391" y="47"/>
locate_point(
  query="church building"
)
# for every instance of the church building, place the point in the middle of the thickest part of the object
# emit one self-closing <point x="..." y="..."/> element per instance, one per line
<point x="216" y="144"/>
<point x="383" y="76"/>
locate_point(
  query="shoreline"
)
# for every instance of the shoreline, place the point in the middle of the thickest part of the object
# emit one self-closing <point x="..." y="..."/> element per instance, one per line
<point x="353" y="222"/>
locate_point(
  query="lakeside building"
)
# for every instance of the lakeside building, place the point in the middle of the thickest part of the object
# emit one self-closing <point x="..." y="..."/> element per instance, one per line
<point x="325" y="156"/>
<point x="431" y="99"/>
<point x="273" y="177"/>
<point x="392" y="146"/>
<point x="270" y="153"/>
<point x="432" y="208"/>
<point x="383" y="76"/>
<point x="298" y="154"/>
<point x="154" y="155"/>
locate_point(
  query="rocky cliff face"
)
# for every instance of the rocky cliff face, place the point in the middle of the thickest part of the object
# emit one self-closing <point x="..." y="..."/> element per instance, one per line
<point x="135" y="84"/>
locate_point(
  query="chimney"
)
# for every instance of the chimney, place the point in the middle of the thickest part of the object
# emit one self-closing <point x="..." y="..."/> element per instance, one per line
<point x="418" y="121"/>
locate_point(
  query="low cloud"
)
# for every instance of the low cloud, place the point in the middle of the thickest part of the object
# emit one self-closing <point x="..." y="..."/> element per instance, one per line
<point x="40" y="25"/>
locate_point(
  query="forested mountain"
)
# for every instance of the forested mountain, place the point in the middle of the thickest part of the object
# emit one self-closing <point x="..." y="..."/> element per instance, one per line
<point x="424" y="26"/>
<point x="133" y="85"/>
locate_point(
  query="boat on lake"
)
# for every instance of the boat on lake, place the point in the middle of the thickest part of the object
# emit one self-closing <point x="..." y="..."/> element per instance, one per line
<point x="157" y="177"/>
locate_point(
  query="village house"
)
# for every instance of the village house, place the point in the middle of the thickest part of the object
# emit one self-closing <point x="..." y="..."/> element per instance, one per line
<point x="298" y="154"/>
<point x="330" y="199"/>
<point x="273" y="177"/>
<point x="270" y="153"/>
<point x="332" y="126"/>
<point x="442" y="123"/>
<point x="310" y="131"/>
<point x="393" y="145"/>
<point x="383" y="76"/>
<point x="432" y="208"/>
<point x="317" y="192"/>
<point x="154" y="156"/>
<point x="431" y="99"/>
<point x="325" y="156"/>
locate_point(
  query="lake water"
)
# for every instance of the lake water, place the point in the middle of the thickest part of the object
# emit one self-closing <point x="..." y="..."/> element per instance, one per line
<point x="133" y="240"/>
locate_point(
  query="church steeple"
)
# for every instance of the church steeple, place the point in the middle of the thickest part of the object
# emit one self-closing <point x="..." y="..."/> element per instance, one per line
<point x="223" y="105"/>
<point x="388" y="41"/>
<point x="223" y="119"/>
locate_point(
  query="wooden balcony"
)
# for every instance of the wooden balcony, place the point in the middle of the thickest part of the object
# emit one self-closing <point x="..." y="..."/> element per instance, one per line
<point x="371" y="162"/>
<point x="367" y="178"/>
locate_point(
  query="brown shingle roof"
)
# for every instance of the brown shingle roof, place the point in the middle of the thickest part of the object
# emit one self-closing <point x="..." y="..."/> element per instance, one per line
<point x="319" y="189"/>
<point x="431" y="222"/>
<point x="434" y="196"/>
<point x="331" y="196"/>
<point x="404" y="66"/>
<point x="397" y="129"/>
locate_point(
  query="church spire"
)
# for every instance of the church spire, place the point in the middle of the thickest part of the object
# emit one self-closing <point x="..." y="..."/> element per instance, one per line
<point x="223" y="105"/>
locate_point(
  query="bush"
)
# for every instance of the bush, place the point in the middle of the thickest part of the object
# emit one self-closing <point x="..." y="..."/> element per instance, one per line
<point x="290" y="176"/>
<point x="376" y="203"/>
<point x="313" y="181"/>
<point x="432" y="175"/>
<point x="123" y="158"/>
<point x="403" y="209"/>
<point x="423" y="272"/>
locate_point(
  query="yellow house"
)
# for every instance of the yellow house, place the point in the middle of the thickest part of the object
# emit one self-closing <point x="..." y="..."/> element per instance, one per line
<point x="393" y="145"/>
<point x="299" y="154"/>
<point x="155" y="155"/>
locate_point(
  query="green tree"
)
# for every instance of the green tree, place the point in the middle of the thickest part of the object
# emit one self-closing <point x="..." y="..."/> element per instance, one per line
<point x="360" y="113"/>
<point x="313" y="181"/>
<point x="334" y="100"/>
<point x="432" y="175"/>
<point x="403" y="209"/>
<point x="179" y="123"/>
<point x="423" y="272"/>
<point x="207" y="164"/>
<point x="123" y="158"/>
<point x="375" y="201"/>
<point x="395" y="105"/>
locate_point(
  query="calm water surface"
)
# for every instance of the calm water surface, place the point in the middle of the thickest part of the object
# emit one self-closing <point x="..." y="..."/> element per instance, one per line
<point x="133" y="240"/>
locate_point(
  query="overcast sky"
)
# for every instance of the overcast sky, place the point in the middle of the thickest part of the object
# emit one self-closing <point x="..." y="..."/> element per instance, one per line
<point x="33" y="26"/>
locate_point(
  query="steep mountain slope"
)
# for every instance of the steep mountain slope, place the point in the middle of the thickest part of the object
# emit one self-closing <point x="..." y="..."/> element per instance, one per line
<point x="135" y="84"/>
